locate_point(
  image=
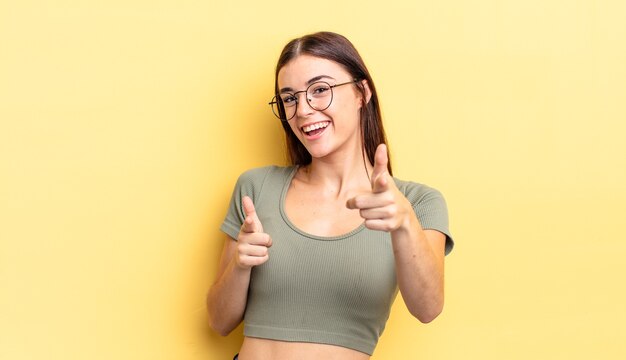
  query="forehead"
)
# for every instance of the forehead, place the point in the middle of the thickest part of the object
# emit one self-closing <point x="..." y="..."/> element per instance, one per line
<point x="301" y="69"/>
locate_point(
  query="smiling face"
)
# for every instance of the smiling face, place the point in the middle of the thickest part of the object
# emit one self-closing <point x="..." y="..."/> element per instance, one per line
<point x="333" y="130"/>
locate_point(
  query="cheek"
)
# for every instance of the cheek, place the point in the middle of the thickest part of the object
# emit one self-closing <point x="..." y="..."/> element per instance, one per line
<point x="293" y="128"/>
<point x="348" y="107"/>
<point x="346" y="115"/>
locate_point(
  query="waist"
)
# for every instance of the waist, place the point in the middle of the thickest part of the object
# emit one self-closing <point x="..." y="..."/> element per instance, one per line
<point x="262" y="349"/>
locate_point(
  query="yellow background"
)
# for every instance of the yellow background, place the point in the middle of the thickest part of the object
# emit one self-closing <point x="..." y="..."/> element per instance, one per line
<point x="124" y="125"/>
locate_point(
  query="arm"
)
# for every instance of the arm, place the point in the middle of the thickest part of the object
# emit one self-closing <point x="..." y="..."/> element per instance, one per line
<point x="419" y="258"/>
<point x="227" y="298"/>
<point x="419" y="254"/>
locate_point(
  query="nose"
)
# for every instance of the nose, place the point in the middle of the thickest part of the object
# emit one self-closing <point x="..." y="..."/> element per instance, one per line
<point x="304" y="108"/>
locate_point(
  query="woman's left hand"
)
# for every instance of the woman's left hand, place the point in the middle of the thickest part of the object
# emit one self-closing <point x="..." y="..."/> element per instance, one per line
<point x="385" y="208"/>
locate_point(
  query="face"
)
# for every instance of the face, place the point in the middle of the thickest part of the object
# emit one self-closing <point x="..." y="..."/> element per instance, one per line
<point x="335" y="129"/>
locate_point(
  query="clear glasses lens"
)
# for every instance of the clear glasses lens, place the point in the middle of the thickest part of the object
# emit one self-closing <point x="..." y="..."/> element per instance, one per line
<point x="319" y="95"/>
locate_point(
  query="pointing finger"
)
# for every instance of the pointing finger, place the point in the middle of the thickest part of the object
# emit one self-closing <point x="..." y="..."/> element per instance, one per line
<point x="351" y="203"/>
<point x="369" y="201"/>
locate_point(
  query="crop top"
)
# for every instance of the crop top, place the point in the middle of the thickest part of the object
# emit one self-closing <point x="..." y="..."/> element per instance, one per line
<point x="331" y="290"/>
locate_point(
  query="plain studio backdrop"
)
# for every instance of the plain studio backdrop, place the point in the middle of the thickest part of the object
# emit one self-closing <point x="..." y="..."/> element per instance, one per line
<point x="124" y="125"/>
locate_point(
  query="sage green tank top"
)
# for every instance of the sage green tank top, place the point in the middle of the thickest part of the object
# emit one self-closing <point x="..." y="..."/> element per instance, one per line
<point x="330" y="290"/>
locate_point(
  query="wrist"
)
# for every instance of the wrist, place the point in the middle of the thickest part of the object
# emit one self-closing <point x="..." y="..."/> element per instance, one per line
<point x="238" y="268"/>
<point x="408" y="225"/>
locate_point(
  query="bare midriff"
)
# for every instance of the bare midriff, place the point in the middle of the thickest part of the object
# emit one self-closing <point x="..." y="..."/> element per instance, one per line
<point x="265" y="349"/>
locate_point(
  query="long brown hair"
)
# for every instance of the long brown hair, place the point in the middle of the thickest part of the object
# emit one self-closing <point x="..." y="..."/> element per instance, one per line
<point x="337" y="48"/>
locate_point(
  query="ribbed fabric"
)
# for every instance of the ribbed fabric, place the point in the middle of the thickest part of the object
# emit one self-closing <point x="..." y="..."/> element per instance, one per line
<point x="331" y="290"/>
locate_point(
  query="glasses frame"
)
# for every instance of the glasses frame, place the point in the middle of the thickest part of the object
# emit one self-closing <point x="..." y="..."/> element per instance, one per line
<point x="277" y="100"/>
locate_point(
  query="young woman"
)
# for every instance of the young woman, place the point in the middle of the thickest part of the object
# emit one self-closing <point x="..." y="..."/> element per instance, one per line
<point x="316" y="251"/>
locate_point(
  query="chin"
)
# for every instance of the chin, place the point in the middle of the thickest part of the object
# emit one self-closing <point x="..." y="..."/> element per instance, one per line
<point x="317" y="153"/>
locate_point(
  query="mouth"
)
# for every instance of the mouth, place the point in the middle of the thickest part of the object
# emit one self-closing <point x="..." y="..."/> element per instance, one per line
<point x="315" y="129"/>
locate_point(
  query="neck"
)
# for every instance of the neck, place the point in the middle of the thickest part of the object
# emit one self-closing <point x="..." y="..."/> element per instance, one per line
<point x="340" y="173"/>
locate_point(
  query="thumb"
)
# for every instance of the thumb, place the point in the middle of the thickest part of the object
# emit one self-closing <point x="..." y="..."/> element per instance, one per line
<point x="380" y="180"/>
<point x="251" y="223"/>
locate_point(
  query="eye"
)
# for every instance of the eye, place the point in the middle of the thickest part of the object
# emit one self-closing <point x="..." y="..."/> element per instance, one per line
<point x="288" y="99"/>
<point x="319" y="89"/>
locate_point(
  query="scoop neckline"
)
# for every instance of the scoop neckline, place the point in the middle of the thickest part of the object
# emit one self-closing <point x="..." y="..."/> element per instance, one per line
<point x="286" y="219"/>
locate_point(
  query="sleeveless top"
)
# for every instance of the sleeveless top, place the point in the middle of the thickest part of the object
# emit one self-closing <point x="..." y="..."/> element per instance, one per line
<point x="331" y="290"/>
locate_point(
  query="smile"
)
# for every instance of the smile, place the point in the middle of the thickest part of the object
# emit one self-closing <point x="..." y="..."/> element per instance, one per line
<point x="314" y="129"/>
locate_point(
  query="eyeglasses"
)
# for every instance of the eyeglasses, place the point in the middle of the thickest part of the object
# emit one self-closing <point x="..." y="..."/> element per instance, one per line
<point x="319" y="96"/>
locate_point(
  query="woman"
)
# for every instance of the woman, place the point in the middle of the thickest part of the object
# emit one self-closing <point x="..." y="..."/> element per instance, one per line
<point x="317" y="251"/>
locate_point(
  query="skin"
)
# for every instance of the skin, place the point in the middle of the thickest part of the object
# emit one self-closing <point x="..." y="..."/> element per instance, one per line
<point x="331" y="196"/>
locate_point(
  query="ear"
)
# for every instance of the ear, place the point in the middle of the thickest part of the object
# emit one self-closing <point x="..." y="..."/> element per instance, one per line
<point x="368" y="91"/>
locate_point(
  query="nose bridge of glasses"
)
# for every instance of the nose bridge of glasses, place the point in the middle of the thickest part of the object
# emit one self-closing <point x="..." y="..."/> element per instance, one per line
<point x="306" y="95"/>
<point x="300" y="107"/>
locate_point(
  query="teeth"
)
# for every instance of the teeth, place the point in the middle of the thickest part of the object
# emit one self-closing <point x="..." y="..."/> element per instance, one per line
<point x="315" y="126"/>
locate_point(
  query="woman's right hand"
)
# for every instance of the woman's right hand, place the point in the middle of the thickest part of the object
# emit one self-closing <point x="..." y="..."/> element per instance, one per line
<point x="252" y="242"/>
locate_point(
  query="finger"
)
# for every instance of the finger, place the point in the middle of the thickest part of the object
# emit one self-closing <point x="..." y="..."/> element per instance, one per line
<point x="251" y="223"/>
<point x="380" y="159"/>
<point x="378" y="224"/>
<point x="252" y="250"/>
<point x="256" y="239"/>
<point x="248" y="206"/>
<point x="351" y="203"/>
<point x="380" y="183"/>
<point x="378" y="213"/>
<point x="380" y="180"/>
<point x="369" y="201"/>
<point x="251" y="261"/>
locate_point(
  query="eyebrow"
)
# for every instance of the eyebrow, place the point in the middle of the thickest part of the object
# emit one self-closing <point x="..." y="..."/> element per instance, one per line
<point x="311" y="81"/>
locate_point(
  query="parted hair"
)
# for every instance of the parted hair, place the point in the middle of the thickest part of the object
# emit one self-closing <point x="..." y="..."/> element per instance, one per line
<point x="335" y="47"/>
